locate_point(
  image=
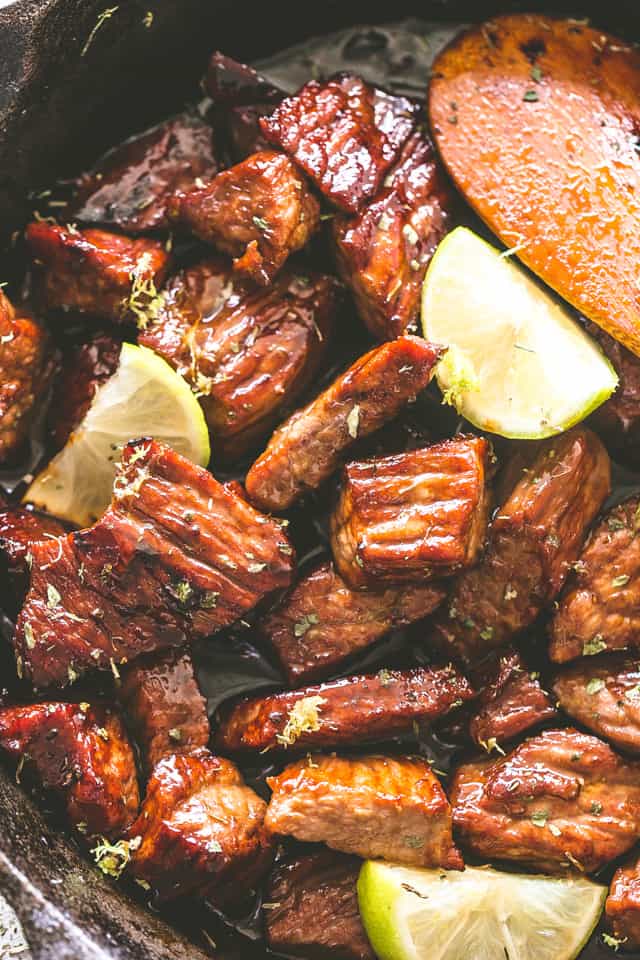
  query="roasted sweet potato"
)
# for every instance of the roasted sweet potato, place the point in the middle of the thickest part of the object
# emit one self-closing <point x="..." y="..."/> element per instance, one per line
<point x="537" y="121"/>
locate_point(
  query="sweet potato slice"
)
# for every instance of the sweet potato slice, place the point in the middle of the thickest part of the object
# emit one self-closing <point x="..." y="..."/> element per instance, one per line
<point x="537" y="121"/>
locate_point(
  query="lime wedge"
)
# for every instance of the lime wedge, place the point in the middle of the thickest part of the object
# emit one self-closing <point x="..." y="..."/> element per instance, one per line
<point x="518" y="364"/>
<point x="475" y="914"/>
<point x="145" y="397"/>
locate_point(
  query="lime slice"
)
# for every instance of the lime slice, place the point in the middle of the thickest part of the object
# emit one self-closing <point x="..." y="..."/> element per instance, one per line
<point x="518" y="364"/>
<point x="143" y="398"/>
<point x="475" y="914"/>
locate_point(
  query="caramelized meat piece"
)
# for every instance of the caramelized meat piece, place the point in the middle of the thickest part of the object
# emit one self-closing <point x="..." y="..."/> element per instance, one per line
<point x="344" y="134"/>
<point x="345" y="711"/>
<point x="20" y="528"/>
<point x="81" y="752"/>
<point x="600" y="611"/>
<point x="618" y="419"/>
<point x="512" y="701"/>
<point x="247" y="353"/>
<point x="85" y="369"/>
<point x="323" y="621"/>
<point x="384" y="251"/>
<point x="177" y="556"/>
<point x="308" y="447"/>
<point x="162" y="701"/>
<point x="312" y="908"/>
<point x="389" y="807"/>
<point x="240" y="97"/>
<point x="202" y="830"/>
<point x="25" y="372"/>
<point x="258" y="212"/>
<point x="129" y="188"/>
<point x="415" y="515"/>
<point x="604" y="695"/>
<point x="562" y="799"/>
<point x="103" y="274"/>
<point x="534" y="538"/>
<point x="623" y="904"/>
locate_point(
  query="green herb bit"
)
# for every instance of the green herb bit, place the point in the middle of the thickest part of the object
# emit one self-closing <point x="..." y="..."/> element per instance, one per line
<point x="531" y="96"/>
<point x="595" y="686"/>
<point x="595" y="645"/>
<point x="104" y="16"/>
<point x="536" y="74"/>
<point x="112" y="858"/>
<point x="596" y="808"/>
<point x="539" y="818"/>
<point x="621" y="581"/>
<point x="261" y="223"/>
<point x="305" y="623"/>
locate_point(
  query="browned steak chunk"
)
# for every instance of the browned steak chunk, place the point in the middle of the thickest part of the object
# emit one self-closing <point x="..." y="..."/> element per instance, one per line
<point x="603" y="694"/>
<point x="309" y="446"/>
<point x="535" y="537"/>
<point x="311" y="908"/>
<point x="177" y="556"/>
<point x="623" y="904"/>
<point x="412" y="516"/>
<point x="372" y="806"/>
<point x="202" y="830"/>
<point x="85" y="368"/>
<point x="600" y="610"/>
<point x="346" y="711"/>
<point x="240" y="97"/>
<point x="247" y="353"/>
<point x="562" y="799"/>
<point x="163" y="704"/>
<point x="344" y="134"/>
<point x="20" y="528"/>
<point x="106" y="275"/>
<point x="258" y="212"/>
<point x="81" y="752"/>
<point x="383" y="252"/>
<point x="323" y="621"/>
<point x="130" y="186"/>
<point x="618" y="419"/>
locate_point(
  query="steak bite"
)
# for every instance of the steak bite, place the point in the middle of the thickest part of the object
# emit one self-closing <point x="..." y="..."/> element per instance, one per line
<point x="622" y="908"/>
<point x="322" y="622"/>
<point x="603" y="694"/>
<point x="26" y="366"/>
<point x="311" y="908"/>
<point x="533" y="540"/>
<point x="344" y="134"/>
<point x="341" y="712"/>
<point x="258" y="212"/>
<point x="130" y="186"/>
<point x="246" y="353"/>
<point x="383" y="252"/>
<point x="20" y="528"/>
<point x="600" y="611"/>
<point x="412" y="515"/>
<point x="85" y="368"/>
<point x="176" y="557"/>
<point x="307" y="448"/>
<point x="389" y="807"/>
<point x="106" y="275"/>
<point x="82" y="753"/>
<point x="561" y="799"/>
<point x="618" y="418"/>
<point x="201" y="830"/>
<point x="163" y="704"/>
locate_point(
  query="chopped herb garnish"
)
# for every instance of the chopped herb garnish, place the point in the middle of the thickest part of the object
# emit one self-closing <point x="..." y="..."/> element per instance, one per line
<point x="539" y="818"/>
<point x="621" y="581"/>
<point x="595" y="685"/>
<point x="353" y="421"/>
<point x="53" y="597"/>
<point x="415" y="842"/>
<point x="614" y="942"/>
<point x="304" y="717"/>
<point x="536" y="74"/>
<point x="175" y="735"/>
<point x="596" y="808"/>
<point x="29" y="637"/>
<point x="531" y="96"/>
<point x="104" y="16"/>
<point x="148" y="19"/>
<point x="209" y="600"/>
<point x="595" y="645"/>
<point x="261" y="223"/>
<point x="182" y="591"/>
<point x="305" y="623"/>
<point x="112" y="858"/>
<point x="256" y="567"/>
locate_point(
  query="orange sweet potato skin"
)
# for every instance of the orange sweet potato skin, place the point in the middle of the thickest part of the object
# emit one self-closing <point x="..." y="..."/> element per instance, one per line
<point x="537" y="121"/>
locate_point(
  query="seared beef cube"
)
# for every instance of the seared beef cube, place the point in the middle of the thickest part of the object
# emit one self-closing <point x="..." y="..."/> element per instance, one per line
<point x="258" y="212"/>
<point x="20" y="528"/>
<point x="26" y="366"/>
<point x="86" y="368"/>
<point x="81" y="752"/>
<point x="311" y="908"/>
<point x="177" y="556"/>
<point x="345" y="711"/>
<point x="240" y="97"/>
<point x="535" y="537"/>
<point x="412" y="516"/>
<point x="562" y="799"/>
<point x="623" y="904"/>
<point x="202" y="830"/>
<point x="163" y="704"/>
<point x="600" y="610"/>
<point x="104" y="274"/>
<point x="618" y="419"/>
<point x="344" y="134"/>
<point x="512" y="701"/>
<point x="384" y="251"/>
<point x="389" y="807"/>
<point x="308" y="447"/>
<point x="604" y="695"/>
<point x="129" y="187"/>
<point x="247" y="354"/>
<point x="323" y="621"/>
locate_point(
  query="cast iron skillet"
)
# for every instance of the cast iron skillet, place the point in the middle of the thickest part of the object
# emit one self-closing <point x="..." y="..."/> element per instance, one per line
<point x="58" y="110"/>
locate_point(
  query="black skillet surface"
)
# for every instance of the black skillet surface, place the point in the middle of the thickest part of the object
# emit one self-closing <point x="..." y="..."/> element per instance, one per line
<point x="58" y="109"/>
